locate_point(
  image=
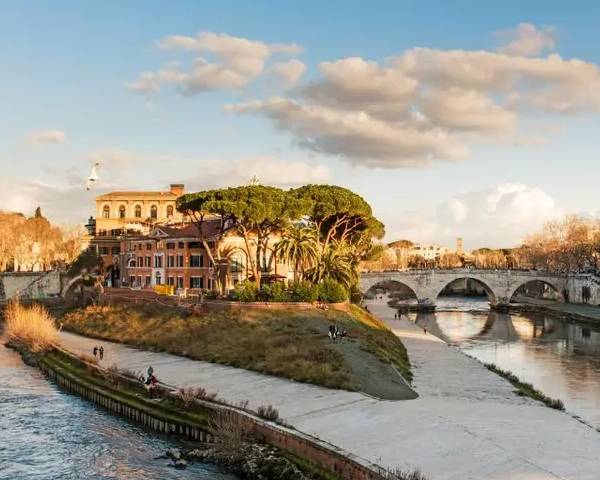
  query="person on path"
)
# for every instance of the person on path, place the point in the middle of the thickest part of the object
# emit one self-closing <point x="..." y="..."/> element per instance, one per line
<point x="101" y="352"/>
<point x="150" y="371"/>
<point x="95" y="350"/>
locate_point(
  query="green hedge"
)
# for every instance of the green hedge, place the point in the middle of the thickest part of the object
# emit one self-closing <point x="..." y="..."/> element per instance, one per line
<point x="328" y="291"/>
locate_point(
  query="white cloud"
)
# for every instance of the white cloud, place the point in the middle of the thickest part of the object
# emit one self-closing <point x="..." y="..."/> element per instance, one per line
<point x="357" y="135"/>
<point x="427" y="105"/>
<point x="40" y="137"/>
<point x="236" y="62"/>
<point x="60" y="204"/>
<point x="497" y="217"/>
<point x="268" y="169"/>
<point x="459" y="109"/>
<point x="289" y="72"/>
<point x="526" y="40"/>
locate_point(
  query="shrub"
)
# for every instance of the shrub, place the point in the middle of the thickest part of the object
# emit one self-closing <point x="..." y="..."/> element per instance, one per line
<point x="31" y="326"/>
<point x="245" y="292"/>
<point x="279" y="293"/>
<point x="304" y="291"/>
<point x="210" y="294"/>
<point x="356" y="296"/>
<point x="332" y="292"/>
<point x="268" y="413"/>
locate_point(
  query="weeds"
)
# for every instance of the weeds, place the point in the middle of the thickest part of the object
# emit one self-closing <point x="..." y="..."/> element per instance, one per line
<point x="397" y="473"/>
<point x="31" y="326"/>
<point x="526" y="389"/>
<point x="268" y="413"/>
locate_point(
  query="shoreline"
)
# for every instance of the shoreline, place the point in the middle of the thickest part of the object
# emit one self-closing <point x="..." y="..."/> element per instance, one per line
<point x="277" y="450"/>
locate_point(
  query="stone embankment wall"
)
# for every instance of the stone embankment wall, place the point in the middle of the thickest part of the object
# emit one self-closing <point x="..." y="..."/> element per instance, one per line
<point x="321" y="454"/>
<point x="114" y="296"/>
<point x="29" y="285"/>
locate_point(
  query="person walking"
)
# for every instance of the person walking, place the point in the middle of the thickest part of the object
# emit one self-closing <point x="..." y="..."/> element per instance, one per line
<point x="101" y="351"/>
<point x="95" y="350"/>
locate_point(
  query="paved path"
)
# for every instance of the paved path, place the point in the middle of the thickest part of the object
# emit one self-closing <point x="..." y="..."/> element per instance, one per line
<point x="590" y="311"/>
<point x="466" y="424"/>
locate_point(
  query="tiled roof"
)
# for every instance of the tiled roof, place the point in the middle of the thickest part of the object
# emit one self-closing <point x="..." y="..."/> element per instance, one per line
<point x="136" y="195"/>
<point x="189" y="230"/>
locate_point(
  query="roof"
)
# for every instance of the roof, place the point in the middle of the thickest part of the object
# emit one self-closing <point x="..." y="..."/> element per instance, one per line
<point x="188" y="230"/>
<point x="137" y="195"/>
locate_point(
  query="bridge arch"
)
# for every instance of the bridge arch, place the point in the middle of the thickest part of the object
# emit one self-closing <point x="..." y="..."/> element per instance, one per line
<point x="492" y="296"/>
<point x="388" y="283"/>
<point x="545" y="281"/>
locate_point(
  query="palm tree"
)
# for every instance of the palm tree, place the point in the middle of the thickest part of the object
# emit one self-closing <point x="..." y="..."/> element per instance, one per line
<point x="298" y="247"/>
<point x="337" y="262"/>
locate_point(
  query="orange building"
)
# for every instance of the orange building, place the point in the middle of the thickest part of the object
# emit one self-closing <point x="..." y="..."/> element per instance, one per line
<point x="121" y="215"/>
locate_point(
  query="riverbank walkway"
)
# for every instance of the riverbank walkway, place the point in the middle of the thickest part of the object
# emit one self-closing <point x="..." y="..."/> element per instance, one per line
<point x="466" y="424"/>
<point x="582" y="310"/>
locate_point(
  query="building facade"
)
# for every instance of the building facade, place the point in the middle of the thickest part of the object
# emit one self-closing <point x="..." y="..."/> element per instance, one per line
<point x="123" y="215"/>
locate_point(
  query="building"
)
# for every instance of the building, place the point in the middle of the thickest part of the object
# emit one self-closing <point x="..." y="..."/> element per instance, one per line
<point x="174" y="255"/>
<point x="120" y="215"/>
<point x="428" y="252"/>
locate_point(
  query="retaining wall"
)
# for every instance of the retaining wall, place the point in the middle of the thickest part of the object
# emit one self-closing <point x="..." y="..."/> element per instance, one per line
<point x="315" y="451"/>
<point x="29" y="285"/>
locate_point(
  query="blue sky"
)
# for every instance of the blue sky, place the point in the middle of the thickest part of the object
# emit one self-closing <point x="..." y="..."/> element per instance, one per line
<point x="437" y="154"/>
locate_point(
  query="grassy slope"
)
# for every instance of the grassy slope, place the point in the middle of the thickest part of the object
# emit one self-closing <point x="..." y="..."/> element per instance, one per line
<point x="289" y="343"/>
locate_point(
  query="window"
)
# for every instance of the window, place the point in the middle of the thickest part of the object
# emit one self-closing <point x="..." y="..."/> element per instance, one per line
<point x="122" y="211"/>
<point x="158" y="261"/>
<point x="169" y="211"/>
<point x="104" y="251"/>
<point x="138" y="211"/>
<point x="196" y="282"/>
<point x="193" y="244"/>
<point x="148" y="280"/>
<point x="116" y="250"/>
<point x="131" y="280"/>
<point x="158" y="279"/>
<point x="170" y="246"/>
<point x="180" y="261"/>
<point x="139" y="281"/>
<point x="170" y="261"/>
<point x="196" y="261"/>
<point x="179" y="282"/>
<point x="181" y="245"/>
<point x="236" y="264"/>
<point x="106" y="211"/>
<point x="148" y="262"/>
<point x="140" y="263"/>
<point x="102" y="232"/>
<point x="171" y="281"/>
<point x="148" y="246"/>
<point x="153" y="212"/>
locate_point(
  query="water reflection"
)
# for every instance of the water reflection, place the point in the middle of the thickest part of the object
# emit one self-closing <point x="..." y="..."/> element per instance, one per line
<point x="46" y="434"/>
<point x="561" y="359"/>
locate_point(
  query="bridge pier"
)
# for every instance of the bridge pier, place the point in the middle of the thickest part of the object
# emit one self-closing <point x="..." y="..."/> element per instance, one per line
<point x="502" y="307"/>
<point x="425" y="306"/>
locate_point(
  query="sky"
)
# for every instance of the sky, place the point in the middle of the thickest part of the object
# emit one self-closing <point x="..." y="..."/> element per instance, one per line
<point x="452" y="119"/>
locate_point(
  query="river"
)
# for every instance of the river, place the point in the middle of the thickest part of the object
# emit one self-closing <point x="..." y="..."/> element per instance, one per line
<point x="559" y="358"/>
<point x="46" y="434"/>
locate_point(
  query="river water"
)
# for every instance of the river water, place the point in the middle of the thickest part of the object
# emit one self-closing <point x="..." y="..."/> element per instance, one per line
<point x="46" y="434"/>
<point x="559" y="358"/>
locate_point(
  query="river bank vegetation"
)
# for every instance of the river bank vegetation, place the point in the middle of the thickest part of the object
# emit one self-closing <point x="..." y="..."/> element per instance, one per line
<point x="526" y="389"/>
<point x="290" y="343"/>
<point x="30" y="326"/>
<point x="321" y="231"/>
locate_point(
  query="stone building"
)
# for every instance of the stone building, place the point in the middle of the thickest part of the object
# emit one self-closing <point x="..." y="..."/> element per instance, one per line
<point x="121" y="215"/>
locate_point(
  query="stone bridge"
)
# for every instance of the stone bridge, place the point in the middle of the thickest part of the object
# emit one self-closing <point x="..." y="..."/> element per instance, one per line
<point x="500" y="285"/>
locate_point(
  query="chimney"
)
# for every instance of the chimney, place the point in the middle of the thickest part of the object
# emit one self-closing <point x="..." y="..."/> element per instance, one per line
<point x="177" y="188"/>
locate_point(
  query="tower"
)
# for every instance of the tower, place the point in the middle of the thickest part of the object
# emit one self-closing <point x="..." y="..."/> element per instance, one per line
<point x="459" y="246"/>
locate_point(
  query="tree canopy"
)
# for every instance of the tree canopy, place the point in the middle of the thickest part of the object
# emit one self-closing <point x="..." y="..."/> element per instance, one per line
<point x="342" y="220"/>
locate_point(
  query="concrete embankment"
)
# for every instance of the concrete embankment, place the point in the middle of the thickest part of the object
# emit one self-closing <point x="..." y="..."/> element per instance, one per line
<point x="313" y="454"/>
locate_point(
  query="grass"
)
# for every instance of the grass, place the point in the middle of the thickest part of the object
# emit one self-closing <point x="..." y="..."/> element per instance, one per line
<point x="30" y="326"/>
<point x="288" y="343"/>
<point x="526" y="389"/>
